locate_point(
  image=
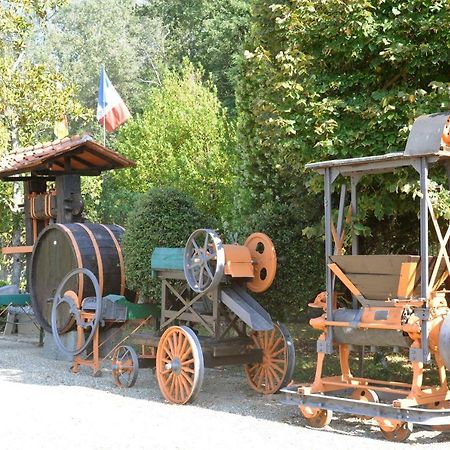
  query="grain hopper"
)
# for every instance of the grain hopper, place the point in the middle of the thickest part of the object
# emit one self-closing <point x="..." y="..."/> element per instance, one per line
<point x="399" y="301"/>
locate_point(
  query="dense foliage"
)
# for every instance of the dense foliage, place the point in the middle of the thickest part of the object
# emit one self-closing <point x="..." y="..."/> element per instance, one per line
<point x="182" y="139"/>
<point x="333" y="79"/>
<point x="162" y="218"/>
<point x="210" y="33"/>
<point x="85" y="34"/>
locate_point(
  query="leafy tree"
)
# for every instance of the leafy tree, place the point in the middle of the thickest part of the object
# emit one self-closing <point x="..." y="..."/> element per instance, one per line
<point x="32" y="97"/>
<point x="210" y="33"/>
<point x="182" y="139"/>
<point x="334" y="79"/>
<point x="85" y="34"/>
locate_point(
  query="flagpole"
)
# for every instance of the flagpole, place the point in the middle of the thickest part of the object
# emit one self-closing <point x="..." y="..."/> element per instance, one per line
<point x="104" y="117"/>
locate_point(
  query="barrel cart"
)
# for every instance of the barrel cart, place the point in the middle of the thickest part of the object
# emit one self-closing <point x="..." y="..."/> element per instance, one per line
<point x="51" y="174"/>
<point x="207" y="318"/>
<point x="399" y="301"/>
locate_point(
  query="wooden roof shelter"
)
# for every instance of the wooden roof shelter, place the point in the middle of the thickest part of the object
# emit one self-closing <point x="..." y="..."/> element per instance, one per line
<point x="79" y="155"/>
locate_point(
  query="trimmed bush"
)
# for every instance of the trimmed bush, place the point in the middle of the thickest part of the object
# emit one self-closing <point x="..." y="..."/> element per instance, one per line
<point x="163" y="217"/>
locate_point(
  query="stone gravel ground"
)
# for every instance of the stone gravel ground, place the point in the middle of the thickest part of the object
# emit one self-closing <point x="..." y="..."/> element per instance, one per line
<point x="45" y="406"/>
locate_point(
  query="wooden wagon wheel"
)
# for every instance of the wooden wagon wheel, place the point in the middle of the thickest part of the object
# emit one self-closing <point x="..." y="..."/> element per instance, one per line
<point x="316" y="417"/>
<point x="125" y="366"/>
<point x="179" y="365"/>
<point x="394" y="430"/>
<point x="278" y="360"/>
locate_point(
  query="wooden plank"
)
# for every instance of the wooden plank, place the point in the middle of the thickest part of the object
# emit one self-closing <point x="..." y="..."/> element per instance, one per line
<point x="373" y="264"/>
<point x="375" y="286"/>
<point x="15" y="299"/>
<point x="17" y="250"/>
<point x="188" y="317"/>
<point x="167" y="259"/>
<point x="407" y="280"/>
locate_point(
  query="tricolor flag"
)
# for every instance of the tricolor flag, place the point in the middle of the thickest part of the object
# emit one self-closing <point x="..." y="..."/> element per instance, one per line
<point x="111" y="110"/>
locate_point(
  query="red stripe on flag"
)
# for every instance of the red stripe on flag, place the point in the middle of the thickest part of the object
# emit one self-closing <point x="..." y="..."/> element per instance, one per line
<point x="116" y="117"/>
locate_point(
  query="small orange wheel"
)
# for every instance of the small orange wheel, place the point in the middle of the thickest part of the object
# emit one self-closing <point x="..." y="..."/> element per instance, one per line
<point x="397" y="432"/>
<point x="278" y="360"/>
<point x="179" y="365"/>
<point x="365" y="395"/>
<point x="315" y="417"/>
<point x="125" y="366"/>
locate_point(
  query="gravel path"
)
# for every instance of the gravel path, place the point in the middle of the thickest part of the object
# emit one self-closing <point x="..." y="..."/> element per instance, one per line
<point x="44" y="406"/>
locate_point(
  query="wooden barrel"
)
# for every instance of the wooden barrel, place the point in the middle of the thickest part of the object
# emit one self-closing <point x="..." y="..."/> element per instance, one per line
<point x="61" y="248"/>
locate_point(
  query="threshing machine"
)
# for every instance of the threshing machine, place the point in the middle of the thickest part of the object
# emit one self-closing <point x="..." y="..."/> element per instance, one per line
<point x="398" y="300"/>
<point x="207" y="318"/>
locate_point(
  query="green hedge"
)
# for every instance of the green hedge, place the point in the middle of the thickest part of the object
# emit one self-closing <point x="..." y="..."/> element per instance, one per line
<point x="301" y="267"/>
<point x="163" y="217"/>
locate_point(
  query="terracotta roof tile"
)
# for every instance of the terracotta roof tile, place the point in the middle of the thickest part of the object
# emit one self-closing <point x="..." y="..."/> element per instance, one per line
<point x="38" y="158"/>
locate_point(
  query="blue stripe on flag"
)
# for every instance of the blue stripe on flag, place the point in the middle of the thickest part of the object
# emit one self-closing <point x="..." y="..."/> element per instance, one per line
<point x="103" y="85"/>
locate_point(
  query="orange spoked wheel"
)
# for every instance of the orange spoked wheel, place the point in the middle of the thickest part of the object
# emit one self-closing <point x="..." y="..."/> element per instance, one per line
<point x="394" y="430"/>
<point x="278" y="360"/>
<point x="125" y="366"/>
<point x="179" y="365"/>
<point x="315" y="417"/>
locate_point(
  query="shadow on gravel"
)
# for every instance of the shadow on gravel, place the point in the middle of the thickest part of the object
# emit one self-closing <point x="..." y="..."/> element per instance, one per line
<point x="223" y="389"/>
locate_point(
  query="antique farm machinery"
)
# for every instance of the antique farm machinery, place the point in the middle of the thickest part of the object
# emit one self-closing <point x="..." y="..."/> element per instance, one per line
<point x="76" y="279"/>
<point x="51" y="176"/>
<point x="207" y="318"/>
<point x="398" y="301"/>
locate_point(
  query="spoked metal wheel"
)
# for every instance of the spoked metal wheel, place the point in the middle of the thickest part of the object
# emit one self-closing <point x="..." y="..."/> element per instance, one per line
<point x="125" y="366"/>
<point x="315" y="417"/>
<point x="204" y="260"/>
<point x="395" y="431"/>
<point x="67" y="298"/>
<point x="277" y="366"/>
<point x="179" y="365"/>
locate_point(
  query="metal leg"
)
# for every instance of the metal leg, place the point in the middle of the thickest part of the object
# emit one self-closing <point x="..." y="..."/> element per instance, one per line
<point x="424" y="254"/>
<point x="328" y="251"/>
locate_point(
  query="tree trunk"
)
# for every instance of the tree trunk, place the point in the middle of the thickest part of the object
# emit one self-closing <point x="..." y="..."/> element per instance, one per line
<point x="16" y="270"/>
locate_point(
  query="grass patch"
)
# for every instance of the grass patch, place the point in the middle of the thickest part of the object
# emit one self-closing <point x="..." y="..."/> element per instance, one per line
<point x="381" y="365"/>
